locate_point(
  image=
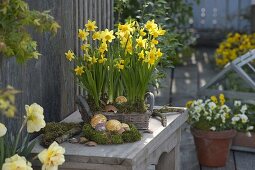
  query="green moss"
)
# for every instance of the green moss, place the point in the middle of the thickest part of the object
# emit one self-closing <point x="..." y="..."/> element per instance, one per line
<point x="128" y="107"/>
<point x="111" y="138"/>
<point x="131" y="136"/>
<point x="116" y="139"/>
<point x="54" y="130"/>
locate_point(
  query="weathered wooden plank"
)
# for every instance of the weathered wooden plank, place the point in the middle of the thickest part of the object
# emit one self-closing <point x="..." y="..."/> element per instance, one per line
<point x="244" y="160"/>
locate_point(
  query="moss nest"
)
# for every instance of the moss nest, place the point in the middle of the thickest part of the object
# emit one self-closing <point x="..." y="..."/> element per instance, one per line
<point x="110" y="137"/>
<point x="54" y="130"/>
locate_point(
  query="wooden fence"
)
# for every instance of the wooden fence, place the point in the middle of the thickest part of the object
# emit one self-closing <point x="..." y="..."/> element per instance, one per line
<point x="48" y="81"/>
<point x="223" y="15"/>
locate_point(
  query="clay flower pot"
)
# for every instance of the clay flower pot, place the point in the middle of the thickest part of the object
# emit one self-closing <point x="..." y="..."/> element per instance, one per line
<point x="213" y="147"/>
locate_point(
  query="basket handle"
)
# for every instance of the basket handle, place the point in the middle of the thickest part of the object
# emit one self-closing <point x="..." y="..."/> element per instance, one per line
<point x="83" y="107"/>
<point x="151" y="100"/>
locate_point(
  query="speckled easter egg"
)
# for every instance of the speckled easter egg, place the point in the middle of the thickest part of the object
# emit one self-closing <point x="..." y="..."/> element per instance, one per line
<point x="125" y="126"/>
<point x="100" y="127"/>
<point x="96" y="119"/>
<point x="121" y="99"/>
<point x="113" y="125"/>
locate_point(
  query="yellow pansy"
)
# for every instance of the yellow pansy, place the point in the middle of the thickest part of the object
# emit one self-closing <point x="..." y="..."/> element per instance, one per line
<point x="91" y="25"/>
<point x="3" y="130"/>
<point x="85" y="47"/>
<point x="222" y="99"/>
<point x="96" y="36"/>
<point x="83" y="34"/>
<point x="214" y="99"/>
<point x="189" y="103"/>
<point x="16" y="162"/>
<point x="107" y="35"/>
<point x="69" y="55"/>
<point x="34" y="117"/>
<point x="141" y="42"/>
<point x="52" y="157"/>
<point x="103" y="47"/>
<point x="79" y="70"/>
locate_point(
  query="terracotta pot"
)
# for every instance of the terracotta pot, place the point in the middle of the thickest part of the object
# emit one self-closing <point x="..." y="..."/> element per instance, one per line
<point x="213" y="147"/>
<point x="241" y="139"/>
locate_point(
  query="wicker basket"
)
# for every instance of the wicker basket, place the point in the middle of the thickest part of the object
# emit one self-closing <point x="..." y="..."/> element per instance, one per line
<point x="140" y="120"/>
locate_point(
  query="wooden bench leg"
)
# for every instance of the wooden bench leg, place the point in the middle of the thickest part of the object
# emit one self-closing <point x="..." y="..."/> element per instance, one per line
<point x="170" y="160"/>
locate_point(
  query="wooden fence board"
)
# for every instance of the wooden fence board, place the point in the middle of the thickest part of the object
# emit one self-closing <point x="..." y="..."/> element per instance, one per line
<point x="49" y="80"/>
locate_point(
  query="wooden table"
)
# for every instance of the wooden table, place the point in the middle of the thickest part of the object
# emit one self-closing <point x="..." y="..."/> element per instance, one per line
<point x="162" y="149"/>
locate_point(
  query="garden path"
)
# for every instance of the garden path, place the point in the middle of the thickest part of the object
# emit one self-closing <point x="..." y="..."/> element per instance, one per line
<point x="188" y="78"/>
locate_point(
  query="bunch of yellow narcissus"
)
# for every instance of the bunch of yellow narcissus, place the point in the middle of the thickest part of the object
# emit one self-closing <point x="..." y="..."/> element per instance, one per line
<point x="132" y="38"/>
<point x="234" y="46"/>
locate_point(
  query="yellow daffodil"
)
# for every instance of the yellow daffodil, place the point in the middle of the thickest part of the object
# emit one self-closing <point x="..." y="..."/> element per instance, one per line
<point x="142" y="33"/>
<point x="52" y="157"/>
<point x="16" y="162"/>
<point x="125" y="28"/>
<point x="154" y="41"/>
<point x="107" y="35"/>
<point x="141" y="55"/>
<point x="222" y="99"/>
<point x="96" y="36"/>
<point x="91" y="25"/>
<point x="85" y="47"/>
<point x="141" y="42"/>
<point x="83" y="34"/>
<point x="161" y="31"/>
<point x="69" y="55"/>
<point x="79" y="70"/>
<point x="3" y="130"/>
<point x="103" y="47"/>
<point x="159" y="53"/>
<point x="87" y="58"/>
<point x="94" y="59"/>
<point x="35" y="118"/>
<point x="151" y="25"/>
<point x="102" y="60"/>
<point x="214" y="99"/>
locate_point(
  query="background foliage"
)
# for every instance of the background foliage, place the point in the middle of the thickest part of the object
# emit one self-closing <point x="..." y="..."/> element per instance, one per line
<point x="15" y="18"/>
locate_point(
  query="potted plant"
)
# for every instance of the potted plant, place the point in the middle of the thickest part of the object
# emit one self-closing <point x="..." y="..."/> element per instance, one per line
<point x="245" y="136"/>
<point x="116" y="68"/>
<point x="213" y="126"/>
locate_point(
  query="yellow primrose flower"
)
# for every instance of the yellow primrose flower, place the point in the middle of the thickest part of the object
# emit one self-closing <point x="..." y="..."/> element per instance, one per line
<point x="83" y="34"/>
<point x="52" y="157"/>
<point x="69" y="55"/>
<point x="96" y="36"/>
<point x="79" y="70"/>
<point x="141" y="42"/>
<point x="222" y="99"/>
<point x="103" y="47"/>
<point x="85" y="47"/>
<point x="16" y="162"/>
<point x="35" y="118"/>
<point x="3" y="130"/>
<point x="91" y="25"/>
<point x="214" y="99"/>
<point x="141" y="55"/>
<point x="107" y="35"/>
<point x="94" y="59"/>
<point x="102" y="60"/>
